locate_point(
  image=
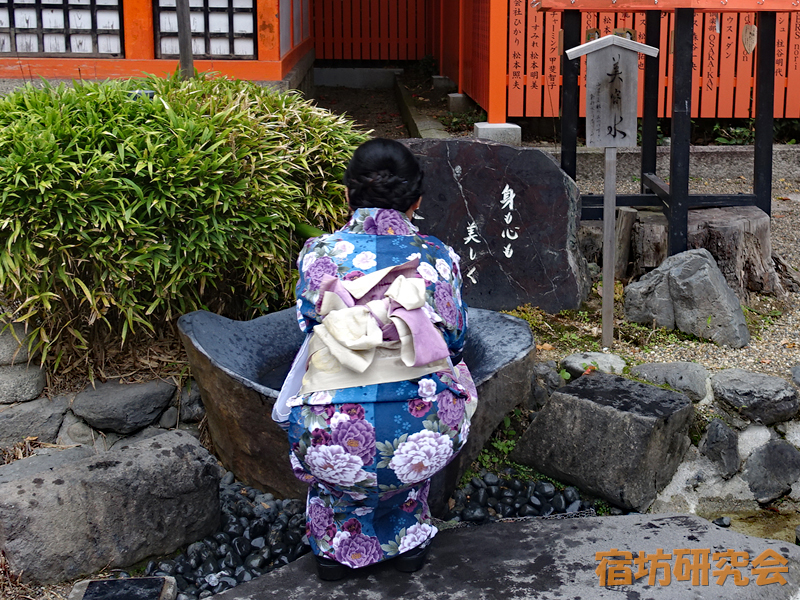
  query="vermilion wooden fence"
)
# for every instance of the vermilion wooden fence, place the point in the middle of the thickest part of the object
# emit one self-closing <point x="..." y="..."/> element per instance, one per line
<point x="369" y="29"/>
<point x="724" y="75"/>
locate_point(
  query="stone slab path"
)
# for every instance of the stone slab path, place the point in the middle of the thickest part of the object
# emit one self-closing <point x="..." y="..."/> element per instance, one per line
<point x="549" y="560"/>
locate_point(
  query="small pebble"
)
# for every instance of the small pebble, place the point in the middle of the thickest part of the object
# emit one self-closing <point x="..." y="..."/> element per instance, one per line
<point x="545" y="489"/>
<point x="475" y="515"/>
<point x="722" y="522"/>
<point x="491" y="479"/>
<point x="169" y="419"/>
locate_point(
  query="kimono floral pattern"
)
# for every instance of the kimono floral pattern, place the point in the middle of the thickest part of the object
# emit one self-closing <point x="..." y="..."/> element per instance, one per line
<point x="368" y="452"/>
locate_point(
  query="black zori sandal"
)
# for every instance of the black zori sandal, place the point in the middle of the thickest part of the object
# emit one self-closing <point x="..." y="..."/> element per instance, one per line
<point x="330" y="570"/>
<point x="412" y="560"/>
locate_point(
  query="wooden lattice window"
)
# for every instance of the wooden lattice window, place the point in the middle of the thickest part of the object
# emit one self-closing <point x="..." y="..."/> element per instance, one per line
<point x="220" y="29"/>
<point x="61" y="28"/>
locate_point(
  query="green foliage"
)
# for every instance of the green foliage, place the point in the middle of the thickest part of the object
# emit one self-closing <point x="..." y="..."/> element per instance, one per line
<point x="645" y="337"/>
<point x="494" y="455"/>
<point x="786" y="131"/>
<point x="428" y="66"/>
<point x="758" y="320"/>
<point x="698" y="426"/>
<point x="730" y="134"/>
<point x="458" y="122"/>
<point x="120" y="213"/>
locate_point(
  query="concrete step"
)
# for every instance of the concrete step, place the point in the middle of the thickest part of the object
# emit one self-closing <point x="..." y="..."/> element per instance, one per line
<point x="549" y="560"/>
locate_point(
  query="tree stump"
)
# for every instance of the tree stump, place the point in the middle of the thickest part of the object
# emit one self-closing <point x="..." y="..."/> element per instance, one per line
<point x="626" y="217"/>
<point x="737" y="237"/>
<point x="590" y="240"/>
<point x="648" y="242"/>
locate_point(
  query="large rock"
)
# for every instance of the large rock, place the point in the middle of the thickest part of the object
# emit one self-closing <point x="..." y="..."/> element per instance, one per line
<point x="546" y="380"/>
<point x="123" y="408"/>
<point x="39" y="418"/>
<point x="512" y="215"/>
<point x="699" y="487"/>
<point x="50" y="462"/>
<point x="13" y="344"/>
<point x="609" y="436"/>
<point x="689" y="292"/>
<point x="576" y="364"/>
<point x="553" y="560"/>
<point x="771" y="470"/>
<point x="761" y="398"/>
<point x="20" y="382"/>
<point x="721" y="445"/>
<point x="685" y="377"/>
<point x="112" y="510"/>
<point x="240" y="367"/>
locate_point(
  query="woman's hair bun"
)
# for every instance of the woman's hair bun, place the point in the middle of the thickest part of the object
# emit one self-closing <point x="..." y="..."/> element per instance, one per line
<point x="383" y="174"/>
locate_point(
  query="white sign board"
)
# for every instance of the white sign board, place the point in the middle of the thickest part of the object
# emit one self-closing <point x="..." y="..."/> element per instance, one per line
<point x="611" y="98"/>
<point x="612" y="70"/>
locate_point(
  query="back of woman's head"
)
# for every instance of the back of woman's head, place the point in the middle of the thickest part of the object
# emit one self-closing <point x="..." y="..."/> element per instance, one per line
<point x="383" y="174"/>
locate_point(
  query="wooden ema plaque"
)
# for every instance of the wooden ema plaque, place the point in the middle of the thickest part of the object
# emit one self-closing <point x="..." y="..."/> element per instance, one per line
<point x="700" y="5"/>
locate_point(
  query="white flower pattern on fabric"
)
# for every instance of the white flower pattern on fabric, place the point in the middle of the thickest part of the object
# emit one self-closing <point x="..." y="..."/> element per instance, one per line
<point x="338" y="418"/>
<point x="426" y="388"/>
<point x="416" y="536"/>
<point x="432" y="315"/>
<point x="443" y="268"/>
<point x="294" y="401"/>
<point x="294" y="461"/>
<point x="334" y="465"/>
<point x="428" y="273"/>
<point x="318" y="398"/>
<point x="342" y="249"/>
<point x="455" y="258"/>
<point x="421" y="456"/>
<point x="339" y="538"/>
<point x="308" y="260"/>
<point x="365" y="260"/>
<point x="414" y="256"/>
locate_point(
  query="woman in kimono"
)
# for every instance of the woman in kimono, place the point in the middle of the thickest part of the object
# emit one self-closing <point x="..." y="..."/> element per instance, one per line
<point x="385" y="401"/>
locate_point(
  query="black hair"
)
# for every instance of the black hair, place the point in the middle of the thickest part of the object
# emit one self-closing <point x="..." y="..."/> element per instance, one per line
<point x="383" y="174"/>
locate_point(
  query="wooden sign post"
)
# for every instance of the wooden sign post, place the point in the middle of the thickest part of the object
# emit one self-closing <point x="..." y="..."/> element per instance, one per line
<point x="611" y="94"/>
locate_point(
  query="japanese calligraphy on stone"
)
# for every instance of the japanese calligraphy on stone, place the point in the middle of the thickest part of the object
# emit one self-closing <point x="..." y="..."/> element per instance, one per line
<point x="474" y="240"/>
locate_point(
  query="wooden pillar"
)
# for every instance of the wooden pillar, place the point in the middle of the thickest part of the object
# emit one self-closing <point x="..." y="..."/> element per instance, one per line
<point x="571" y="23"/>
<point x="678" y="208"/>
<point x="137" y="18"/>
<point x="185" y="39"/>
<point x="651" y="92"/>
<point x="268" y="26"/>
<point x="765" y="98"/>
<point x="498" y="61"/>
<point x="461" y="49"/>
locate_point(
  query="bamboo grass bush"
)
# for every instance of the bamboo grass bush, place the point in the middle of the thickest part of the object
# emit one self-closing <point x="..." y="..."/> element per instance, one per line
<point x="119" y="213"/>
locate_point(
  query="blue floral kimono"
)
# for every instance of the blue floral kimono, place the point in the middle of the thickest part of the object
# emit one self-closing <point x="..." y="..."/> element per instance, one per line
<point x="368" y="451"/>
